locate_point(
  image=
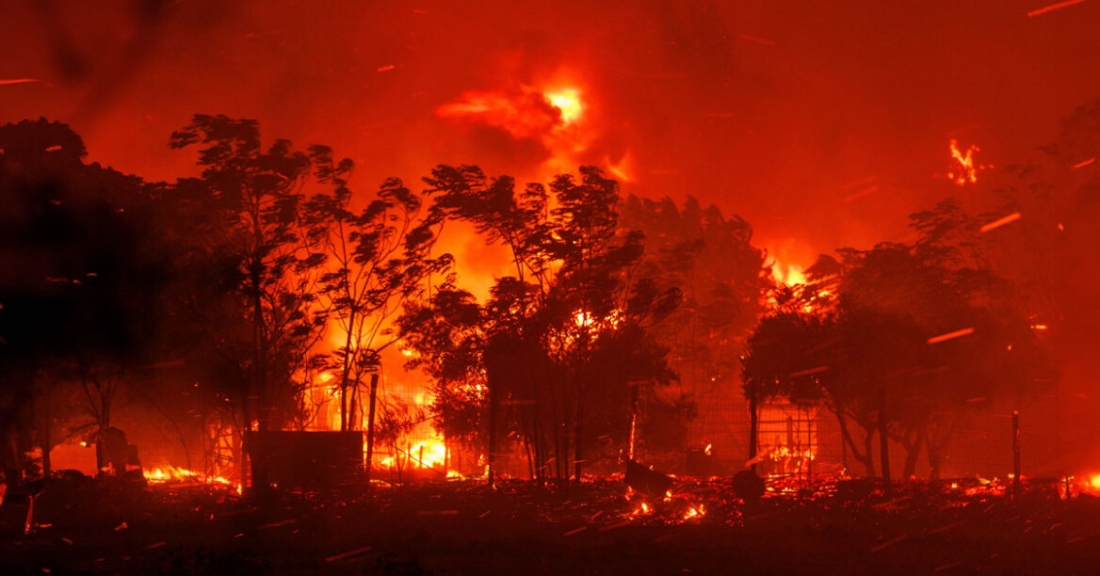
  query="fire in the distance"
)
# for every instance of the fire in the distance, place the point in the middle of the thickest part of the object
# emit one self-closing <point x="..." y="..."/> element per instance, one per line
<point x="964" y="169"/>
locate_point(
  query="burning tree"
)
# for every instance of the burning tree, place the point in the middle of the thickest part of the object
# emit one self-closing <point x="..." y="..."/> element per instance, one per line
<point x="381" y="258"/>
<point x="541" y="337"/>
<point x="903" y="340"/>
<point x="259" y="261"/>
<point x="710" y="259"/>
<point x="449" y="330"/>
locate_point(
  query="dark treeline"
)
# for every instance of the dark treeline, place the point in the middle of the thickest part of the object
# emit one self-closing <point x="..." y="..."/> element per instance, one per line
<point x="232" y="284"/>
<point x="229" y="287"/>
<point x="981" y="312"/>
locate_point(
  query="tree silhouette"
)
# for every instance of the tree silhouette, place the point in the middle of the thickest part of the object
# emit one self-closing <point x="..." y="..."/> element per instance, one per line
<point x="542" y="330"/>
<point x="900" y="340"/>
<point x="710" y="259"/>
<point x="85" y="264"/>
<point x="381" y="259"/>
<point x="255" y="240"/>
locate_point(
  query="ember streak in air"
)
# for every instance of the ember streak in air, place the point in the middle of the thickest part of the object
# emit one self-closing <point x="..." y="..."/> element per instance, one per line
<point x="951" y="335"/>
<point x="14" y="81"/>
<point x="1000" y="222"/>
<point x="1053" y="7"/>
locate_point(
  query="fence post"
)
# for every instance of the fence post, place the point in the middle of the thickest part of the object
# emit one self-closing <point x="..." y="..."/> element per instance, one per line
<point x="1015" y="450"/>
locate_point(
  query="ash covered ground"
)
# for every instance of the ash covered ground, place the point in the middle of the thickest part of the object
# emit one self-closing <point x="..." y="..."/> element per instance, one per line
<point x="848" y="527"/>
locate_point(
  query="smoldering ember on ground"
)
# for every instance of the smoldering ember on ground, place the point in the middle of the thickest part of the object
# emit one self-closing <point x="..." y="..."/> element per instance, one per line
<point x="549" y="288"/>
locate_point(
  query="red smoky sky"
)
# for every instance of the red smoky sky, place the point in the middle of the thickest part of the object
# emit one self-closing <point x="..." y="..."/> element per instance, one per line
<point x="822" y="123"/>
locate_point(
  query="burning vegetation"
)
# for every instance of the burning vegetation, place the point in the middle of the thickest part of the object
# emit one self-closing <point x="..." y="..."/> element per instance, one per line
<point x="649" y="290"/>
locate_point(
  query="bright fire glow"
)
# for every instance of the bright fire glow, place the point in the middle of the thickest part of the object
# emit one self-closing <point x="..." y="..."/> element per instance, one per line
<point x="165" y="474"/>
<point x="694" y="512"/>
<point x="788" y="274"/>
<point x="428" y="454"/>
<point x="965" y="171"/>
<point x="568" y="102"/>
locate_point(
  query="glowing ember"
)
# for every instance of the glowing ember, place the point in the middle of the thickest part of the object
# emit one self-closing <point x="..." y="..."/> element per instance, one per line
<point x="695" y="512"/>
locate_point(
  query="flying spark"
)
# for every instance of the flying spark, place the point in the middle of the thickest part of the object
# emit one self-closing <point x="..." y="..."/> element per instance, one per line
<point x="1000" y="222"/>
<point x="950" y="335"/>
<point x="1053" y="7"/>
<point x="1083" y="164"/>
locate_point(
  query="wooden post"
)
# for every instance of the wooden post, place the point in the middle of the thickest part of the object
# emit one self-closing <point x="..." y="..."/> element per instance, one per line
<point x="633" y="418"/>
<point x="754" y="426"/>
<point x="884" y="441"/>
<point x="370" y="424"/>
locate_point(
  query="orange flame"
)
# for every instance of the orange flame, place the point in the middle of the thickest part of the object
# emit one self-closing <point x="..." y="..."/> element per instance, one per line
<point x="966" y="170"/>
<point x="166" y="474"/>
<point x="788" y="274"/>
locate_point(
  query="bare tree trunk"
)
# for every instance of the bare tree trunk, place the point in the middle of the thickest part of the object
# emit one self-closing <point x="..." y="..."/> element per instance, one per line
<point x="868" y="451"/>
<point x="884" y="440"/>
<point x="935" y="463"/>
<point x="849" y="442"/>
<point x="578" y="441"/>
<point x="494" y="409"/>
<point x="912" y="454"/>
<point x="754" y="426"/>
<point x="260" y="478"/>
<point x="47" y="441"/>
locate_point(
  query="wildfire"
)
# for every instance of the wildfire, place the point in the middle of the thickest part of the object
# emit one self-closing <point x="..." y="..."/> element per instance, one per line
<point x="695" y="512"/>
<point x="568" y="103"/>
<point x="965" y="170"/>
<point x="427" y="454"/>
<point x="788" y="274"/>
<point x="555" y="114"/>
<point x="167" y="474"/>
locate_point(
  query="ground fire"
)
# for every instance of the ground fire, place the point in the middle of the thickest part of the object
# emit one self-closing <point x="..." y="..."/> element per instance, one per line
<point x="569" y="287"/>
